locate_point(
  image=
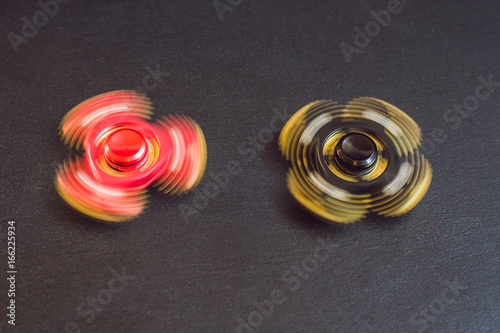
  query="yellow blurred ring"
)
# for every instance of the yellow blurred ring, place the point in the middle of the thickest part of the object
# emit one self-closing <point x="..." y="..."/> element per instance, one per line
<point x="390" y="185"/>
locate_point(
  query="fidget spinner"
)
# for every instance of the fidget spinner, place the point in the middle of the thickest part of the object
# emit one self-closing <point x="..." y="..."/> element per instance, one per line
<point x="123" y="154"/>
<point x="350" y="160"/>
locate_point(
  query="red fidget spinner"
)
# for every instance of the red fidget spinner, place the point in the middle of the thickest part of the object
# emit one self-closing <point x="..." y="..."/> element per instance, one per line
<point x="124" y="154"/>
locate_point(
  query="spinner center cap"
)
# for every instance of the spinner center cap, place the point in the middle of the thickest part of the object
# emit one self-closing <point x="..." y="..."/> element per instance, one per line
<point x="125" y="147"/>
<point x="356" y="151"/>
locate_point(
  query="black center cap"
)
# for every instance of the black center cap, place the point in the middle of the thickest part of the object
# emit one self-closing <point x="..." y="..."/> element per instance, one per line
<point x="356" y="152"/>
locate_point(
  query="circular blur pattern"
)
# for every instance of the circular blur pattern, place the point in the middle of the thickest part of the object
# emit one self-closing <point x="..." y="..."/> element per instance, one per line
<point x="350" y="160"/>
<point x="123" y="154"/>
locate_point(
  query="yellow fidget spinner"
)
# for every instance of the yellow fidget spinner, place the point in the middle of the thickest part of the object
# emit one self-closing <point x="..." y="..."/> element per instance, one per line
<point x="350" y="160"/>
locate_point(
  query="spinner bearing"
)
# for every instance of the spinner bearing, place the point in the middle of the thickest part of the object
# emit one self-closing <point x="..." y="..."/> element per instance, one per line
<point x="350" y="160"/>
<point x="123" y="154"/>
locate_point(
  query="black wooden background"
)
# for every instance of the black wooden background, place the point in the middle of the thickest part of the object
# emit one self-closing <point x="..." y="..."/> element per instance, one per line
<point x="240" y="256"/>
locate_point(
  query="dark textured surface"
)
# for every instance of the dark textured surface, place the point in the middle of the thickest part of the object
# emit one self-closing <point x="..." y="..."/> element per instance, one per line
<point x="203" y="273"/>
